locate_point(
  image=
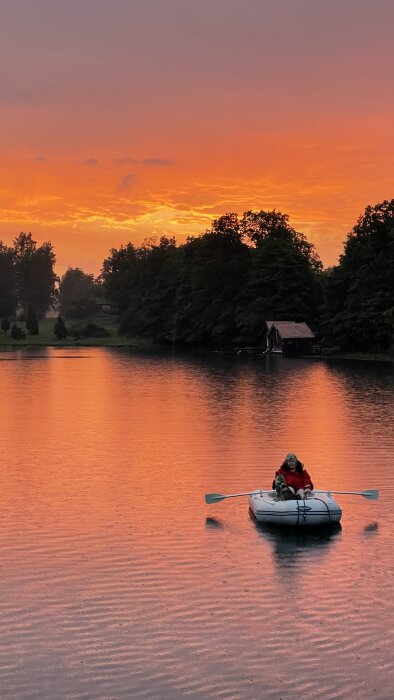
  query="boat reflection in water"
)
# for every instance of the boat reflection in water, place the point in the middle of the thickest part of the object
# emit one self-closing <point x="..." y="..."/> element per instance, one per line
<point x="292" y="547"/>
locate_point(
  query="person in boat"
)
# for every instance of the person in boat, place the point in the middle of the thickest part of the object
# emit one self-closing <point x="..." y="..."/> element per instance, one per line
<point x="292" y="480"/>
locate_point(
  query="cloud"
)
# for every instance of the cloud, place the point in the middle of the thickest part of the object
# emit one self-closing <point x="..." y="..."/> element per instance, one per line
<point x="91" y="162"/>
<point x="40" y="159"/>
<point x="126" y="161"/>
<point x="151" y="162"/>
<point x="125" y="183"/>
<point x="160" y="162"/>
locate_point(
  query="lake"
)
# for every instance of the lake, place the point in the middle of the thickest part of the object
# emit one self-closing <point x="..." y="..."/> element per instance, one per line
<point x="118" y="581"/>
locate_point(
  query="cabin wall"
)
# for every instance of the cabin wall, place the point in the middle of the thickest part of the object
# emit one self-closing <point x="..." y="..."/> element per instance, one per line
<point x="297" y="346"/>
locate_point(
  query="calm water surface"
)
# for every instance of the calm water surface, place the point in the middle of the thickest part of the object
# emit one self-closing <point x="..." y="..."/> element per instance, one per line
<point x="117" y="581"/>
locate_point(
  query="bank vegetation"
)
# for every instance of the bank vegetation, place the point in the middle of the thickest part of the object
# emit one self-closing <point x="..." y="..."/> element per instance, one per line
<point x="215" y="290"/>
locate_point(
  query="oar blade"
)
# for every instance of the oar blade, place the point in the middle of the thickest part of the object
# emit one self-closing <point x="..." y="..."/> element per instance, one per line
<point x="372" y="494"/>
<point x="213" y="497"/>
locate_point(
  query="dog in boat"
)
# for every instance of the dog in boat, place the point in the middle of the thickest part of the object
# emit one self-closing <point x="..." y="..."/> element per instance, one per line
<point x="283" y="491"/>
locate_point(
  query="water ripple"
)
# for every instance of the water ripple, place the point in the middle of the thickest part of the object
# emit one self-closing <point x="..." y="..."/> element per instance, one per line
<point x="118" y="581"/>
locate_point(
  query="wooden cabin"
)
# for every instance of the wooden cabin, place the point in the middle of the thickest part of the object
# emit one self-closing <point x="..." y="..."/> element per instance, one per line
<point x="288" y="338"/>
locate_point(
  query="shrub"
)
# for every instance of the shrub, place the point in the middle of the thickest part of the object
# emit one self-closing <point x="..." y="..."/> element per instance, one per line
<point x="92" y="330"/>
<point x="17" y="333"/>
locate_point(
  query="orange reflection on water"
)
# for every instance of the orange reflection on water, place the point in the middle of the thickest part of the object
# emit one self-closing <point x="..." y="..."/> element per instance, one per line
<point x="118" y="572"/>
<point x="95" y="438"/>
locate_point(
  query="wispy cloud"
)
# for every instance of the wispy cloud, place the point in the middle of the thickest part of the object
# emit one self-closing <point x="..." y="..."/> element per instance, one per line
<point x="125" y="183"/>
<point x="93" y="162"/>
<point x="153" y="161"/>
<point x="126" y="161"/>
<point x="40" y="159"/>
<point x="157" y="162"/>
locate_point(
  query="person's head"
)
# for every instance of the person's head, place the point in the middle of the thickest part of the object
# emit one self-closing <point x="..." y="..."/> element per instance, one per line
<point x="292" y="463"/>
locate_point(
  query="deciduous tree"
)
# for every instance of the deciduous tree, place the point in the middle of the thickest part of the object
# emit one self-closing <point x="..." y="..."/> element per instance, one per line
<point x="35" y="275"/>
<point x="360" y="290"/>
<point x="7" y="281"/>
<point x="77" y="294"/>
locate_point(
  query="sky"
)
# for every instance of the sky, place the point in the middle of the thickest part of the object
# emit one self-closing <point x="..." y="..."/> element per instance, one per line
<point x="122" y="120"/>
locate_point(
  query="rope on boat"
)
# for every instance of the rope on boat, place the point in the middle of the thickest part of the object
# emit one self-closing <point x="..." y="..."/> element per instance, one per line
<point x="328" y="510"/>
<point x="298" y="511"/>
<point x="304" y="511"/>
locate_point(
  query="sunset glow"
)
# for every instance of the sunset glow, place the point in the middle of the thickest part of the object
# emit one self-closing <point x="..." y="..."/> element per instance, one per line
<point x="126" y="120"/>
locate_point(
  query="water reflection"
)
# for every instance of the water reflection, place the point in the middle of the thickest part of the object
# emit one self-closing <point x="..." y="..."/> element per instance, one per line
<point x="292" y="546"/>
<point x="214" y="523"/>
<point x="127" y="584"/>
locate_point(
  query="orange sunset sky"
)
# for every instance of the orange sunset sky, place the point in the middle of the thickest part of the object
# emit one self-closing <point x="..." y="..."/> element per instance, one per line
<point x="125" y="119"/>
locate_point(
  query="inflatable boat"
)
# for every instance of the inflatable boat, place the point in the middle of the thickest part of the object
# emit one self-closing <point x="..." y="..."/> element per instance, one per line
<point x="317" y="509"/>
<point x="320" y="508"/>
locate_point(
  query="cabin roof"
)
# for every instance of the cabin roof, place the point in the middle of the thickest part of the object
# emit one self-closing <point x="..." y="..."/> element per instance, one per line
<point x="290" y="329"/>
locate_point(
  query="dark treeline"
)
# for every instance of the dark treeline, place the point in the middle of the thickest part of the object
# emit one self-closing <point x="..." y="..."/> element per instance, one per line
<point x="358" y="309"/>
<point x="27" y="277"/>
<point x="29" y="287"/>
<point x="217" y="289"/>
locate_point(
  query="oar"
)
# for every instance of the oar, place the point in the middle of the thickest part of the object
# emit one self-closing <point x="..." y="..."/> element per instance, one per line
<point x="372" y="494"/>
<point x="215" y="497"/>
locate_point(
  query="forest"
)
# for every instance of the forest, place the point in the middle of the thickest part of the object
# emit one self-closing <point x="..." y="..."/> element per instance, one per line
<point x="217" y="289"/>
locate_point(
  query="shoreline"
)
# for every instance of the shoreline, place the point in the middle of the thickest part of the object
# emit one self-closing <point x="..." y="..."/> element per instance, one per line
<point x="47" y="339"/>
<point x="146" y="344"/>
<point x="86" y="343"/>
<point x="361" y="356"/>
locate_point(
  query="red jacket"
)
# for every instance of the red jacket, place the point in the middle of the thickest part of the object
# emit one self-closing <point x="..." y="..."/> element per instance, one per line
<point x="296" y="480"/>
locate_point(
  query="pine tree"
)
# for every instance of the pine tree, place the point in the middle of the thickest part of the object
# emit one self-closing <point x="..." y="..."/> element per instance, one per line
<point x="60" y="329"/>
<point x="31" y="321"/>
<point x="5" y="326"/>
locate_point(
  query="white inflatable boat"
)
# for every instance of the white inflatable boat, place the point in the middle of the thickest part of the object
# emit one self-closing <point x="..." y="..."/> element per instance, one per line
<point x="320" y="508"/>
<point x="317" y="509"/>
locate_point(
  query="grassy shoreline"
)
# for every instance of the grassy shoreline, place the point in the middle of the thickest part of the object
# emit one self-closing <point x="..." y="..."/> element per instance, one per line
<point x="47" y="338"/>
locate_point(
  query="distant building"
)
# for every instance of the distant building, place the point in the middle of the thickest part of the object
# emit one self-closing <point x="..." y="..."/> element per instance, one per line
<point x="289" y="338"/>
<point x="105" y="306"/>
<point x="53" y="311"/>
